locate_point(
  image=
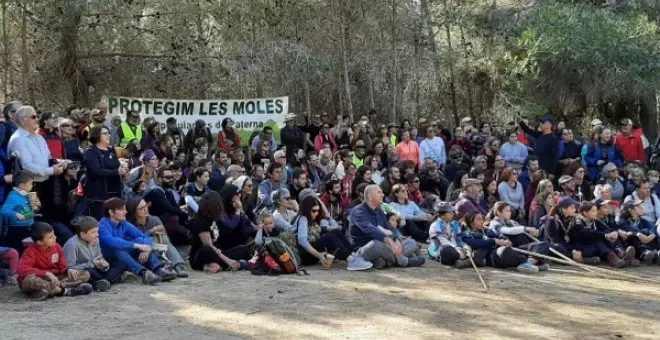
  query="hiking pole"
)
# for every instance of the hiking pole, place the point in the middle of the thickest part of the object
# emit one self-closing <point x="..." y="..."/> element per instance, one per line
<point x="604" y="273"/>
<point x="469" y="254"/>
<point x="598" y="270"/>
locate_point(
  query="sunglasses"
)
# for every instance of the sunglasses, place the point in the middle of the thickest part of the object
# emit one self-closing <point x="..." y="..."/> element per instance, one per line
<point x="33" y="117"/>
<point x="168" y="178"/>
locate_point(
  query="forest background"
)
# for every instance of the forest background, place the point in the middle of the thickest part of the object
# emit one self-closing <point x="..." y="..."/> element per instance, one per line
<point x="488" y="59"/>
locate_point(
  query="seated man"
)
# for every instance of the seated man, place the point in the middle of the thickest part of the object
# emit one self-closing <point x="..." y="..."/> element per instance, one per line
<point x="369" y="226"/>
<point x="122" y="242"/>
<point x="42" y="269"/>
<point x="83" y="252"/>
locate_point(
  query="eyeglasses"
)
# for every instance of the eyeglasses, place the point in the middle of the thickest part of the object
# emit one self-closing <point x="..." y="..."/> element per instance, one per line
<point x="416" y="181"/>
<point x="33" y="117"/>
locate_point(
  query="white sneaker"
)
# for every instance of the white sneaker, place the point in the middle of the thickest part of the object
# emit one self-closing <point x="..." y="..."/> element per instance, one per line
<point x="357" y="262"/>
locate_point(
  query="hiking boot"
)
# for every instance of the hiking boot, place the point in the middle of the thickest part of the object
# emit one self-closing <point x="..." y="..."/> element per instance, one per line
<point x="527" y="268"/>
<point x="165" y="274"/>
<point x="102" y="285"/>
<point x="149" y="278"/>
<point x="615" y="261"/>
<point x="629" y="256"/>
<point x="416" y="261"/>
<point x="81" y="289"/>
<point x="592" y="260"/>
<point x="648" y="257"/>
<point x="180" y="273"/>
<point x="357" y="262"/>
<point x="39" y="295"/>
<point x="543" y="267"/>
<point x="460" y="264"/>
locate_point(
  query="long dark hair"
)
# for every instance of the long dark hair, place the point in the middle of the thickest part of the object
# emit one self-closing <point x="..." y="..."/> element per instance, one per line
<point x="306" y="206"/>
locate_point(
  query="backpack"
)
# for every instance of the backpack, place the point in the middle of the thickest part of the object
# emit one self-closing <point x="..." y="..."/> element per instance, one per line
<point x="286" y="257"/>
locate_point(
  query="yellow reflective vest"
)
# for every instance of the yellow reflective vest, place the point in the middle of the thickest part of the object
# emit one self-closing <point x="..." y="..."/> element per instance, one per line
<point x="129" y="135"/>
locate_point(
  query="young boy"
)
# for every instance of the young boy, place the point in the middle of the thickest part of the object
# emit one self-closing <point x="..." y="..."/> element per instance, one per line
<point x="18" y="212"/>
<point x="446" y="243"/>
<point x="42" y="270"/>
<point x="83" y="252"/>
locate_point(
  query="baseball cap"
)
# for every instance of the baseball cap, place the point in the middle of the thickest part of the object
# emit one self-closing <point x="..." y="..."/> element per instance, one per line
<point x="444" y="207"/>
<point x="596" y="122"/>
<point x="564" y="179"/>
<point x="566" y="202"/>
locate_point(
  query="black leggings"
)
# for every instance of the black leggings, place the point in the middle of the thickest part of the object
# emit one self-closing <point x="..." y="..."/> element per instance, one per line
<point x="334" y="242"/>
<point x="597" y="249"/>
<point x="418" y="230"/>
<point x="206" y="255"/>
<point x="15" y="236"/>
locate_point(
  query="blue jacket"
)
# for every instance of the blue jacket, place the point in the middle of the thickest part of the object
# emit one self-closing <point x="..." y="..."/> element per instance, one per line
<point x="479" y="239"/>
<point x="595" y="153"/>
<point x="640" y="226"/>
<point x="364" y="225"/>
<point x="122" y="236"/>
<point x="17" y="203"/>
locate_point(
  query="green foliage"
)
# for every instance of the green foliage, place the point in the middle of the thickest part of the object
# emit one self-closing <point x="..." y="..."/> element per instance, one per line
<point x="569" y="53"/>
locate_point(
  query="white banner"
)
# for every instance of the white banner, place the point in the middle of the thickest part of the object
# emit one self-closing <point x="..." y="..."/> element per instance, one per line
<point x="247" y="114"/>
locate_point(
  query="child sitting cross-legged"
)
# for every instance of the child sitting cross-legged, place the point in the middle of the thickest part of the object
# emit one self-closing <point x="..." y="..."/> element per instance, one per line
<point x="18" y="212"/>
<point x="446" y="243"/>
<point x="83" y="252"/>
<point x="42" y="269"/>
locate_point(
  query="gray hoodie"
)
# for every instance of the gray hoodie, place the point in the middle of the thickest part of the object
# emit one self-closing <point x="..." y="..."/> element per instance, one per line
<point x="79" y="253"/>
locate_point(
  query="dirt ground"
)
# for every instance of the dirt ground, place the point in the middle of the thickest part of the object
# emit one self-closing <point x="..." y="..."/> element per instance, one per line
<point x="415" y="303"/>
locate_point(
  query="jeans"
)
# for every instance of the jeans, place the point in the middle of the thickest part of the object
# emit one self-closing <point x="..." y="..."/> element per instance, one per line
<point x="112" y="274"/>
<point x="128" y="258"/>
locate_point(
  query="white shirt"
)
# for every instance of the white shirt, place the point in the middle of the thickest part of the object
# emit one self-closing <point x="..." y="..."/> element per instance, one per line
<point x="34" y="154"/>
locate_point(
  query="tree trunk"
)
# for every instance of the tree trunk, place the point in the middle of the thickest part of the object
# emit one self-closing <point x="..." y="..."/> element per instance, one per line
<point x="6" y="63"/>
<point x="395" y="80"/>
<point x="468" y="76"/>
<point x="25" y="58"/>
<point x="70" y="64"/>
<point x="426" y="15"/>
<point x="204" y="79"/>
<point x="308" y="100"/>
<point x="648" y="115"/>
<point x="344" y="51"/>
<point x="452" y="85"/>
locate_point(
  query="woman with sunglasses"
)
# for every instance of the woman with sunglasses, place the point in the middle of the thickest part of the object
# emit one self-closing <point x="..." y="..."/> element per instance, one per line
<point x="312" y="236"/>
<point x="48" y="129"/>
<point x="72" y="149"/>
<point x="138" y="213"/>
<point x="103" y="177"/>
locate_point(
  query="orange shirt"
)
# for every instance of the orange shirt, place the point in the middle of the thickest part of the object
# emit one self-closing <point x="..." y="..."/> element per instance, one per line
<point x="408" y="151"/>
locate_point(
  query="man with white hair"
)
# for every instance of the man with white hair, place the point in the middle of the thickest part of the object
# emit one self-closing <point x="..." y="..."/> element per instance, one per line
<point x="33" y="153"/>
<point x="373" y="237"/>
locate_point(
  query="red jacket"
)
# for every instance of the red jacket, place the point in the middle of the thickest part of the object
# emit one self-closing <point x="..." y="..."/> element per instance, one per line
<point x="632" y="148"/>
<point x="55" y="144"/>
<point x="38" y="261"/>
<point x="223" y="145"/>
<point x="318" y="142"/>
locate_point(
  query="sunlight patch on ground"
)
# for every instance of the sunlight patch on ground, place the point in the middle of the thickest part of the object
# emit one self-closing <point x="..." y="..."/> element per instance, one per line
<point x="258" y="324"/>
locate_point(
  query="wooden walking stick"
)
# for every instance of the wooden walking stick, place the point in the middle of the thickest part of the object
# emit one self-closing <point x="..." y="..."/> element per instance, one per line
<point x="598" y="270"/>
<point x="469" y="255"/>
<point x="604" y="273"/>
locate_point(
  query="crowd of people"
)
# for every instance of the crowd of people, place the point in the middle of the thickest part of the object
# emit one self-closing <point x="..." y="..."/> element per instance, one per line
<point x="88" y="198"/>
